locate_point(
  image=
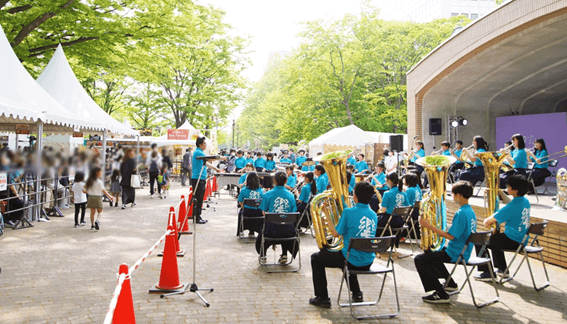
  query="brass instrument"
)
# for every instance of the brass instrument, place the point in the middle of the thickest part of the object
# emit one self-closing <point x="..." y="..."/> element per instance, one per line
<point x="465" y="158"/>
<point x="328" y="206"/>
<point x="492" y="161"/>
<point x="505" y="166"/>
<point x="437" y="152"/>
<point x="557" y="157"/>
<point x="433" y="205"/>
<point x="561" y="201"/>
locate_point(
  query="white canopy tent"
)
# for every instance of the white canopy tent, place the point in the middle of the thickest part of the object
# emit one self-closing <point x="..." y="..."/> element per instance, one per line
<point x="349" y="137"/>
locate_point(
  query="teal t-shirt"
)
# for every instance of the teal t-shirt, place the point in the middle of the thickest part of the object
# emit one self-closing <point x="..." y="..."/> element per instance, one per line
<point x="247" y="193"/>
<point x="242" y="178"/>
<point x="381" y="180"/>
<point x="260" y="163"/>
<point x="321" y="184"/>
<point x="521" y="158"/>
<point x="458" y="153"/>
<point x="299" y="160"/>
<point x="516" y="215"/>
<point x="357" y="221"/>
<point x="198" y="165"/>
<point x="351" y="160"/>
<point x="270" y="165"/>
<point x="417" y="155"/>
<point x="291" y="181"/>
<point x="542" y="156"/>
<point x="414" y="194"/>
<point x="393" y="198"/>
<point x="240" y="163"/>
<point x="478" y="162"/>
<point x="305" y="194"/>
<point x="278" y="200"/>
<point x="464" y="223"/>
<point x="361" y="166"/>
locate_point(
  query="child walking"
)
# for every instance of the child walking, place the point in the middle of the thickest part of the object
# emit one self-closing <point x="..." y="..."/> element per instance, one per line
<point x="163" y="181"/>
<point x="79" y="198"/>
<point x="95" y="188"/>
<point x="115" y="188"/>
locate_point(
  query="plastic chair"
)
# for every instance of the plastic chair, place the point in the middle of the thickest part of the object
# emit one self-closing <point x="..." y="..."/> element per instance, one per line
<point x="482" y="239"/>
<point x="371" y="245"/>
<point x="536" y="229"/>
<point x="255" y="203"/>
<point x="281" y="219"/>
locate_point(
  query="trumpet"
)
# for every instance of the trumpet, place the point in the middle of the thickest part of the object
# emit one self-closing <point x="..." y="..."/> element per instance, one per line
<point x="530" y="149"/>
<point x="507" y="149"/>
<point x="437" y="152"/>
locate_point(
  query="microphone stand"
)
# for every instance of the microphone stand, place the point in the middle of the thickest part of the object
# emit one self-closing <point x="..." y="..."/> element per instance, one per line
<point x="194" y="288"/>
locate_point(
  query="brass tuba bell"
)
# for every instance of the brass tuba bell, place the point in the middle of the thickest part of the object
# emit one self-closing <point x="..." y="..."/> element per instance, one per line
<point x="328" y="206"/>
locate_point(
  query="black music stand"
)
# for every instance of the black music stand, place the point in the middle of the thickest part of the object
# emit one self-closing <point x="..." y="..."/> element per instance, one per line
<point x="193" y="287"/>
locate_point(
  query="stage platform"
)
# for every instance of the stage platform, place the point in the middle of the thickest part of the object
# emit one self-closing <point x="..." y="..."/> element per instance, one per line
<point x="555" y="239"/>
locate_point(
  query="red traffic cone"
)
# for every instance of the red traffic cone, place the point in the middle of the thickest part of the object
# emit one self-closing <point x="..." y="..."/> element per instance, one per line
<point x="190" y="207"/>
<point x="169" y="276"/>
<point x="206" y="195"/>
<point x="210" y="187"/>
<point x="184" y="216"/>
<point x="182" y="213"/>
<point x="215" y="184"/>
<point x="124" y="311"/>
<point x="172" y="220"/>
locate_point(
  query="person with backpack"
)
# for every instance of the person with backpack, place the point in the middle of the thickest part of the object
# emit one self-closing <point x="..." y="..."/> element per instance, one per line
<point x="154" y="165"/>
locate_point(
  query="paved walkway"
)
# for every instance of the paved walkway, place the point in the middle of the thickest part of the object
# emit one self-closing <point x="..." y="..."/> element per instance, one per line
<point x="54" y="273"/>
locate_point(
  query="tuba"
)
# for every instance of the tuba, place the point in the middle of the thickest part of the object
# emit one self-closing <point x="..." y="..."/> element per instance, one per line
<point x="492" y="161"/>
<point x="328" y="206"/>
<point x="433" y="207"/>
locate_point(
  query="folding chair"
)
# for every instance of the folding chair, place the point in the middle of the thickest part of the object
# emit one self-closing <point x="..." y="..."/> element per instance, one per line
<point x="412" y="223"/>
<point x="306" y="214"/>
<point x="530" y="171"/>
<point x="536" y="229"/>
<point x="404" y="212"/>
<point x="280" y="219"/>
<point x="248" y="203"/>
<point x="553" y="166"/>
<point x="371" y="245"/>
<point x="480" y="238"/>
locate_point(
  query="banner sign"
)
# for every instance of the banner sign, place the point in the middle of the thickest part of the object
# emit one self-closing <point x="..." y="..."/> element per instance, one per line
<point x="178" y="134"/>
<point x="22" y="129"/>
<point x="76" y="134"/>
<point x="3" y="181"/>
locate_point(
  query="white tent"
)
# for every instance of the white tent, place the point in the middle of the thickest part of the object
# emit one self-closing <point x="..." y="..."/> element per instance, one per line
<point x="340" y="138"/>
<point x="61" y="83"/>
<point x="23" y="101"/>
<point x="385" y="138"/>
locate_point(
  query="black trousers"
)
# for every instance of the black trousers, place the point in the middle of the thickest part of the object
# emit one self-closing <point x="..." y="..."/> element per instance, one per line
<point x="326" y="259"/>
<point x="504" y="177"/>
<point x="82" y="207"/>
<point x="153" y="178"/>
<point x="497" y="242"/>
<point x="253" y="225"/>
<point x="431" y="266"/>
<point x="198" y="193"/>
<point x="278" y="231"/>
<point x="539" y="175"/>
<point x="473" y="175"/>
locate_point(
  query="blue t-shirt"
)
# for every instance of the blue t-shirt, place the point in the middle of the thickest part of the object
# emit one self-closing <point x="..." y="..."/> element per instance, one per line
<point x="447" y="153"/>
<point x="305" y="194"/>
<point x="361" y="166"/>
<point x="393" y="198"/>
<point x="284" y="160"/>
<point x="357" y="221"/>
<point x="249" y="160"/>
<point x="542" y="156"/>
<point x="270" y="165"/>
<point x="240" y="163"/>
<point x="381" y="180"/>
<point x="321" y="183"/>
<point x="413" y="194"/>
<point x="464" y="223"/>
<point x="198" y="164"/>
<point x="351" y="160"/>
<point x="242" y="178"/>
<point x="291" y="180"/>
<point x="278" y="200"/>
<point x="247" y="193"/>
<point x="478" y="162"/>
<point x="516" y="215"/>
<point x="351" y="184"/>
<point x="260" y="163"/>
<point x="458" y="153"/>
<point x="417" y="155"/>
<point x="521" y="158"/>
<point x="299" y="160"/>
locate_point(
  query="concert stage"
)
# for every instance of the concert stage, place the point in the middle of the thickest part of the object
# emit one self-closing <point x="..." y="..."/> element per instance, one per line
<point x="554" y="241"/>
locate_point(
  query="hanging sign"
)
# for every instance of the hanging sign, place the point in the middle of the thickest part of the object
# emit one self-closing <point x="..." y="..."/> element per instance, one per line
<point x="22" y="129"/>
<point x="178" y="134"/>
<point x="76" y="134"/>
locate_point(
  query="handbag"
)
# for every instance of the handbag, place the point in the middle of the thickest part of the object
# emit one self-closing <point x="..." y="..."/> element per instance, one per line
<point x="135" y="181"/>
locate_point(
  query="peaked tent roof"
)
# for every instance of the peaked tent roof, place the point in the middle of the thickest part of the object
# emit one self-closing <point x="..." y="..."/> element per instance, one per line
<point x="22" y="100"/>
<point x="186" y="125"/>
<point x="61" y="83"/>
<point x="347" y="136"/>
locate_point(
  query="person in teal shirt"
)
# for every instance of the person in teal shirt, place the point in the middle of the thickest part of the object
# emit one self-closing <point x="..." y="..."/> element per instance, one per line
<point x="240" y="162"/>
<point x="270" y="163"/>
<point x="539" y="156"/>
<point x="431" y="265"/>
<point x="285" y="158"/>
<point x="361" y="166"/>
<point x="414" y="194"/>
<point x="518" y="158"/>
<point x="418" y="153"/>
<point x="321" y="178"/>
<point x="308" y="191"/>
<point x="516" y="215"/>
<point x="379" y="179"/>
<point x="476" y="173"/>
<point x="242" y="181"/>
<point x="306" y="168"/>
<point x="357" y="221"/>
<point x="300" y="159"/>
<point x="249" y="158"/>
<point x="351" y="160"/>
<point x="252" y="190"/>
<point x="459" y="165"/>
<point x="291" y="178"/>
<point x="260" y="163"/>
<point x="351" y="182"/>
<point x="393" y="198"/>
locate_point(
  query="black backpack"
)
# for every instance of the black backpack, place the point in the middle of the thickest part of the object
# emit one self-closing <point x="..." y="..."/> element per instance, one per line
<point x="153" y="166"/>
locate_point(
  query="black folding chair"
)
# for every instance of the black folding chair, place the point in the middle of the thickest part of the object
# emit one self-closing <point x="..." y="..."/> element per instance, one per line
<point x="533" y="248"/>
<point x="412" y="224"/>
<point x="482" y="239"/>
<point x="281" y="219"/>
<point x="530" y="170"/>
<point x="403" y="212"/>
<point x="371" y="245"/>
<point x="254" y="203"/>
<point x="305" y="219"/>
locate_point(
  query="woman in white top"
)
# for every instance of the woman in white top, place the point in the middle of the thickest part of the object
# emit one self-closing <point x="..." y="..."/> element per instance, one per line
<point x="79" y="198"/>
<point x="95" y="188"/>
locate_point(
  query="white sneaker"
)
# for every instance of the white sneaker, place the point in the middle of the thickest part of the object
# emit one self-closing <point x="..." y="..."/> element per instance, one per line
<point x="262" y="260"/>
<point x="283" y="259"/>
<point x="151" y="196"/>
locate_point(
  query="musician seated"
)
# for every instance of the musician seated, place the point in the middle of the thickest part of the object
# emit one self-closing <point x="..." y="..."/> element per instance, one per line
<point x="516" y="215"/>
<point x="357" y="221"/>
<point x="444" y="149"/>
<point x="249" y="158"/>
<point x="430" y="265"/>
<point x="459" y="165"/>
<point x="308" y="191"/>
<point x="252" y="190"/>
<point x="361" y="166"/>
<point x="539" y="156"/>
<point x="259" y="163"/>
<point x="413" y="192"/>
<point x="351" y="182"/>
<point x="393" y="198"/>
<point x="322" y="178"/>
<point x="240" y="162"/>
<point x="306" y="168"/>
<point x="291" y="178"/>
<point x="476" y="173"/>
<point x="419" y="152"/>
<point x="300" y="159"/>
<point x="285" y="158"/>
<point x="518" y="158"/>
<point x="351" y="160"/>
<point x="242" y="180"/>
<point x="379" y="179"/>
<point x="278" y="200"/>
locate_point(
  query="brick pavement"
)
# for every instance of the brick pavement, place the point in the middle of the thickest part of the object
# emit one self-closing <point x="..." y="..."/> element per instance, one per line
<point x="54" y="273"/>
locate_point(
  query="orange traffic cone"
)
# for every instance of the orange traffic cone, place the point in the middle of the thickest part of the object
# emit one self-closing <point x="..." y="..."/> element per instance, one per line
<point x="124" y="311"/>
<point x="215" y="185"/>
<point x="184" y="216"/>
<point x="206" y="195"/>
<point x="169" y="276"/>
<point x="181" y="214"/>
<point x="190" y="206"/>
<point x="172" y="220"/>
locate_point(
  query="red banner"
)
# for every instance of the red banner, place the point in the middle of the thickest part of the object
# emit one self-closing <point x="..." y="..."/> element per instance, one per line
<point x="177" y="134"/>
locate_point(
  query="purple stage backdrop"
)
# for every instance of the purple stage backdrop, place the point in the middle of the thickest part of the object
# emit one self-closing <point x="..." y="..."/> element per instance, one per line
<point x="551" y="127"/>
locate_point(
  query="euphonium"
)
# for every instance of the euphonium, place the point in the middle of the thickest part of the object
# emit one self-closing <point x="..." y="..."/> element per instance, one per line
<point x="328" y="206"/>
<point x="433" y="205"/>
<point x="492" y="161"/>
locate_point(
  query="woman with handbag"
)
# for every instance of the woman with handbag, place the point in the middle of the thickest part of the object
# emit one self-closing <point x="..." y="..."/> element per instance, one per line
<point x="129" y="176"/>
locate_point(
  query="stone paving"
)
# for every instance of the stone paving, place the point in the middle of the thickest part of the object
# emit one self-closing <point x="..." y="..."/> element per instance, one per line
<point x="54" y="273"/>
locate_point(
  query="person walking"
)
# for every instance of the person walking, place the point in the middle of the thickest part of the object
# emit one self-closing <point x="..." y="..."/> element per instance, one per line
<point x="79" y="198"/>
<point x="186" y="166"/>
<point x="95" y="188"/>
<point x="127" y="169"/>
<point x="154" y="166"/>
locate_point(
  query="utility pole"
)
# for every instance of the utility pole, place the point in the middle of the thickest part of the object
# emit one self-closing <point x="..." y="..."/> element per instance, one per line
<point x="233" y="125"/>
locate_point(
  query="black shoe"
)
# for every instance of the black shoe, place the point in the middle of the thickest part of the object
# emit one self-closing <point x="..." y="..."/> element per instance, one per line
<point x="123" y="206"/>
<point x="110" y="203"/>
<point x="97" y="225"/>
<point x="436" y="298"/>
<point x="451" y="286"/>
<point x="319" y="302"/>
<point x="201" y="221"/>
<point x="485" y="276"/>
<point x="357" y="297"/>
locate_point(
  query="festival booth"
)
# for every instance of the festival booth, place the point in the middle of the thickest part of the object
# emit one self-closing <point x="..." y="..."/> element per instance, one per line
<point x="339" y="139"/>
<point x="176" y="141"/>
